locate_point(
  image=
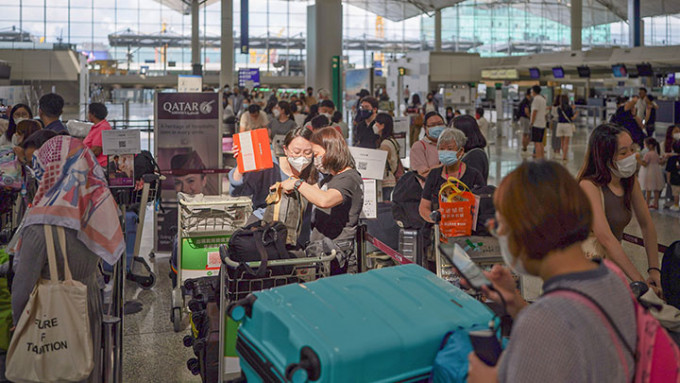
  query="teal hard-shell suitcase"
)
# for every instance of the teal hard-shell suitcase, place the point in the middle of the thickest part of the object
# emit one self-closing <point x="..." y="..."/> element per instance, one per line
<point x="385" y="325"/>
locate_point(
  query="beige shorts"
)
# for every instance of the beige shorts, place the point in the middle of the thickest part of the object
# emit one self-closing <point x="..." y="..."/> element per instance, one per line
<point x="675" y="189"/>
<point x="564" y="130"/>
<point x="525" y="125"/>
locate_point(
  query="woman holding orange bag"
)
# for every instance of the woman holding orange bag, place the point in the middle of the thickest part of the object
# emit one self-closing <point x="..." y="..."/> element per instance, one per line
<point x="450" y="146"/>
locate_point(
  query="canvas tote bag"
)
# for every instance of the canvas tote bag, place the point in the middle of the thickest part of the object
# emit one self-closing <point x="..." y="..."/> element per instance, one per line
<point x="52" y="341"/>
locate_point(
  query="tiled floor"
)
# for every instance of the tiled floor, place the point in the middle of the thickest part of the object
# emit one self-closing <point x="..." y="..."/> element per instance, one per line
<point x="153" y="352"/>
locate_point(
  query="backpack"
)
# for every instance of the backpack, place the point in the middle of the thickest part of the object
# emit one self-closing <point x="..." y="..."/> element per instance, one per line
<point x="670" y="274"/>
<point x="487" y="210"/>
<point x="145" y="164"/>
<point x="406" y="200"/>
<point x="287" y="209"/>
<point x="399" y="171"/>
<point x="656" y="355"/>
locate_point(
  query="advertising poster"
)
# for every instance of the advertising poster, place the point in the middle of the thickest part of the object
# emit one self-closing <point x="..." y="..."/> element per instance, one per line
<point x="120" y="170"/>
<point x="188" y="143"/>
<point x="120" y="146"/>
<point x="355" y="81"/>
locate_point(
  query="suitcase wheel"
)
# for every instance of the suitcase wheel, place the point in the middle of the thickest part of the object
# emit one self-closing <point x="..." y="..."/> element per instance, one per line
<point x="194" y="366"/>
<point x="188" y="341"/>
<point x="309" y="367"/>
<point x="176" y="318"/>
<point x="239" y="309"/>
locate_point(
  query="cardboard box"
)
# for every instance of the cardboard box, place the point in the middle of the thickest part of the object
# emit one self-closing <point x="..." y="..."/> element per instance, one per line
<point x="255" y="151"/>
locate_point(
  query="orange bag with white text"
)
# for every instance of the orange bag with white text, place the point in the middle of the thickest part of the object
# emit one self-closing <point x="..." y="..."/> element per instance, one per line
<point x="456" y="204"/>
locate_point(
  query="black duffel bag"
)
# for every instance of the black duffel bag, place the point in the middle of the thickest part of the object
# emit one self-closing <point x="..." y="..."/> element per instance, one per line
<point x="262" y="242"/>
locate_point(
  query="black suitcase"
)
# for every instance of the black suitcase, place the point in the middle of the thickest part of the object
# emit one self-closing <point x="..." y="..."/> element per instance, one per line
<point x="205" y="319"/>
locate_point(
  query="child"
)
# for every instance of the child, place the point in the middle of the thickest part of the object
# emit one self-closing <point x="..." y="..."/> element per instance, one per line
<point x="651" y="178"/>
<point x="673" y="168"/>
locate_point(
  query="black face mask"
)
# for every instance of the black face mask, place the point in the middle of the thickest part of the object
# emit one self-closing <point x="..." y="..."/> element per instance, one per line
<point x="429" y="99"/>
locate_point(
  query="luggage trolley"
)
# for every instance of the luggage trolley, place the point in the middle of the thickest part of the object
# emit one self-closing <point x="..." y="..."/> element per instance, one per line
<point x="235" y="286"/>
<point x="203" y="222"/>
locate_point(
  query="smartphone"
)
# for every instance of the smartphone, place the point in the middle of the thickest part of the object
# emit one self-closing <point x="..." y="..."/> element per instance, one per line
<point x="473" y="274"/>
<point x="486" y="346"/>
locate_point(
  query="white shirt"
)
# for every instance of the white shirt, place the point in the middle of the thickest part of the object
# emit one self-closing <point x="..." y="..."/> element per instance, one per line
<point x="483" y="126"/>
<point x="539" y="105"/>
<point x="641" y="109"/>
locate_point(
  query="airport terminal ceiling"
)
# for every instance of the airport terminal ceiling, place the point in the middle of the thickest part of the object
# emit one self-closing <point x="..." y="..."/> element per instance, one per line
<point x="596" y="12"/>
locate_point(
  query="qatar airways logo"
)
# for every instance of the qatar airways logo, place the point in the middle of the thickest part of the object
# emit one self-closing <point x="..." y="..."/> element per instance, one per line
<point x="180" y="108"/>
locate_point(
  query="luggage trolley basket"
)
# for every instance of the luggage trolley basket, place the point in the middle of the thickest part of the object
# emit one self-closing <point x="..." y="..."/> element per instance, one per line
<point x="236" y="285"/>
<point x="203" y="222"/>
<point x="485" y="252"/>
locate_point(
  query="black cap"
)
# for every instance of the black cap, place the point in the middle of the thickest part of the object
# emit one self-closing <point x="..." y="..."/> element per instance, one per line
<point x="363" y="93"/>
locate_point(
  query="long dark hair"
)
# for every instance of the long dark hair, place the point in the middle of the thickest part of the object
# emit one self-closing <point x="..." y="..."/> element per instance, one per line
<point x="309" y="174"/>
<point x="285" y="109"/>
<point x="12" y="127"/>
<point x="388" y="125"/>
<point x="602" y="147"/>
<point x="653" y="143"/>
<point x="668" y="143"/>
<point x="468" y="125"/>
<point x="313" y="112"/>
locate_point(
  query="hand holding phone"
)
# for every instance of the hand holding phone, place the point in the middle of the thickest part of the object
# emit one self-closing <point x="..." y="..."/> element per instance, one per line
<point x="486" y="346"/>
<point x="473" y="274"/>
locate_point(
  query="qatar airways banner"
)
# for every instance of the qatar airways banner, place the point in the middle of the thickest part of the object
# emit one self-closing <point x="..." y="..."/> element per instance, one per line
<point x="188" y="149"/>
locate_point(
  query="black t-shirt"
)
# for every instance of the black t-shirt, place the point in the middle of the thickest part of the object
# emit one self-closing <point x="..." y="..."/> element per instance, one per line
<point x="478" y="160"/>
<point x="626" y="119"/>
<point x="523" y="105"/>
<point x="673" y="167"/>
<point x="340" y="222"/>
<point x="364" y="137"/>
<point x="565" y="115"/>
<point x="472" y="179"/>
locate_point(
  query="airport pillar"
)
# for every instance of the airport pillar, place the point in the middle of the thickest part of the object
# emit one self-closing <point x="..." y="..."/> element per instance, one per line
<point x="438" y="30"/>
<point x="324" y="40"/>
<point x="576" y="24"/>
<point x="227" y="44"/>
<point x="634" y="23"/>
<point x="197" y="68"/>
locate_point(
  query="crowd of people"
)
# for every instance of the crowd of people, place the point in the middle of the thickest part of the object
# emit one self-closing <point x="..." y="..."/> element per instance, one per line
<point x="544" y="215"/>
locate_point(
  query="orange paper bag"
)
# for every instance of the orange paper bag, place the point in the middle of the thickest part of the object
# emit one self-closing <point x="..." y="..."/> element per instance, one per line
<point x="456" y="204"/>
<point x="255" y="152"/>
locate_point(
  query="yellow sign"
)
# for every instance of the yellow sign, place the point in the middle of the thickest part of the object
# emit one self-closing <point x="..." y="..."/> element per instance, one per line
<point x="500" y="74"/>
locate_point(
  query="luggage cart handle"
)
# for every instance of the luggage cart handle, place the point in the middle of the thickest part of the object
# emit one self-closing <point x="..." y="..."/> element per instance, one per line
<point x="276" y="262"/>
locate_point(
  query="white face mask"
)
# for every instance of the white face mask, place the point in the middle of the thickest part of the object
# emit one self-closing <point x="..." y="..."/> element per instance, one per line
<point x="16" y="139"/>
<point x="676" y="136"/>
<point x="19" y="119"/>
<point x="625" y="168"/>
<point x="299" y="163"/>
<point x="328" y="115"/>
<point x="318" y="163"/>
<point x="276" y="113"/>
<point x="375" y="129"/>
<point x="514" y="263"/>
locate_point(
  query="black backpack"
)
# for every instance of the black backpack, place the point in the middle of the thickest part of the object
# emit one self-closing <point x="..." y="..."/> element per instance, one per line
<point x="146" y="164"/>
<point x="406" y="200"/>
<point x="487" y="210"/>
<point x="670" y="274"/>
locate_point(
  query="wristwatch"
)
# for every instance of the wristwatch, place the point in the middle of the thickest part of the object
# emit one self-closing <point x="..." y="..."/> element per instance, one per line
<point x="297" y="184"/>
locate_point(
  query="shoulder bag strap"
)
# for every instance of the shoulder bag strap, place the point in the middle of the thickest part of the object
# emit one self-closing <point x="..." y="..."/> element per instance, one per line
<point x="564" y="114"/>
<point x="51" y="255"/>
<point x="62" y="241"/>
<point x="591" y="303"/>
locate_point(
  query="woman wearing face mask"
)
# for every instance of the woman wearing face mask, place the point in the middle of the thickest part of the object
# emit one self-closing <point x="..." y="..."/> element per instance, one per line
<point x="18" y="113"/>
<point x="451" y="148"/>
<point x="283" y="122"/>
<point x="608" y="179"/>
<point x="424" y="156"/>
<point x="430" y="105"/>
<point x="557" y="338"/>
<point x="297" y="164"/>
<point x="384" y="128"/>
<point x="25" y="128"/>
<point x="338" y="199"/>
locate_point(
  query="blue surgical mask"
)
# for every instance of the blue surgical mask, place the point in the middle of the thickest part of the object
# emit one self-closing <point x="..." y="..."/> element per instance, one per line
<point x="365" y="114"/>
<point x="435" y="131"/>
<point x="448" y="157"/>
